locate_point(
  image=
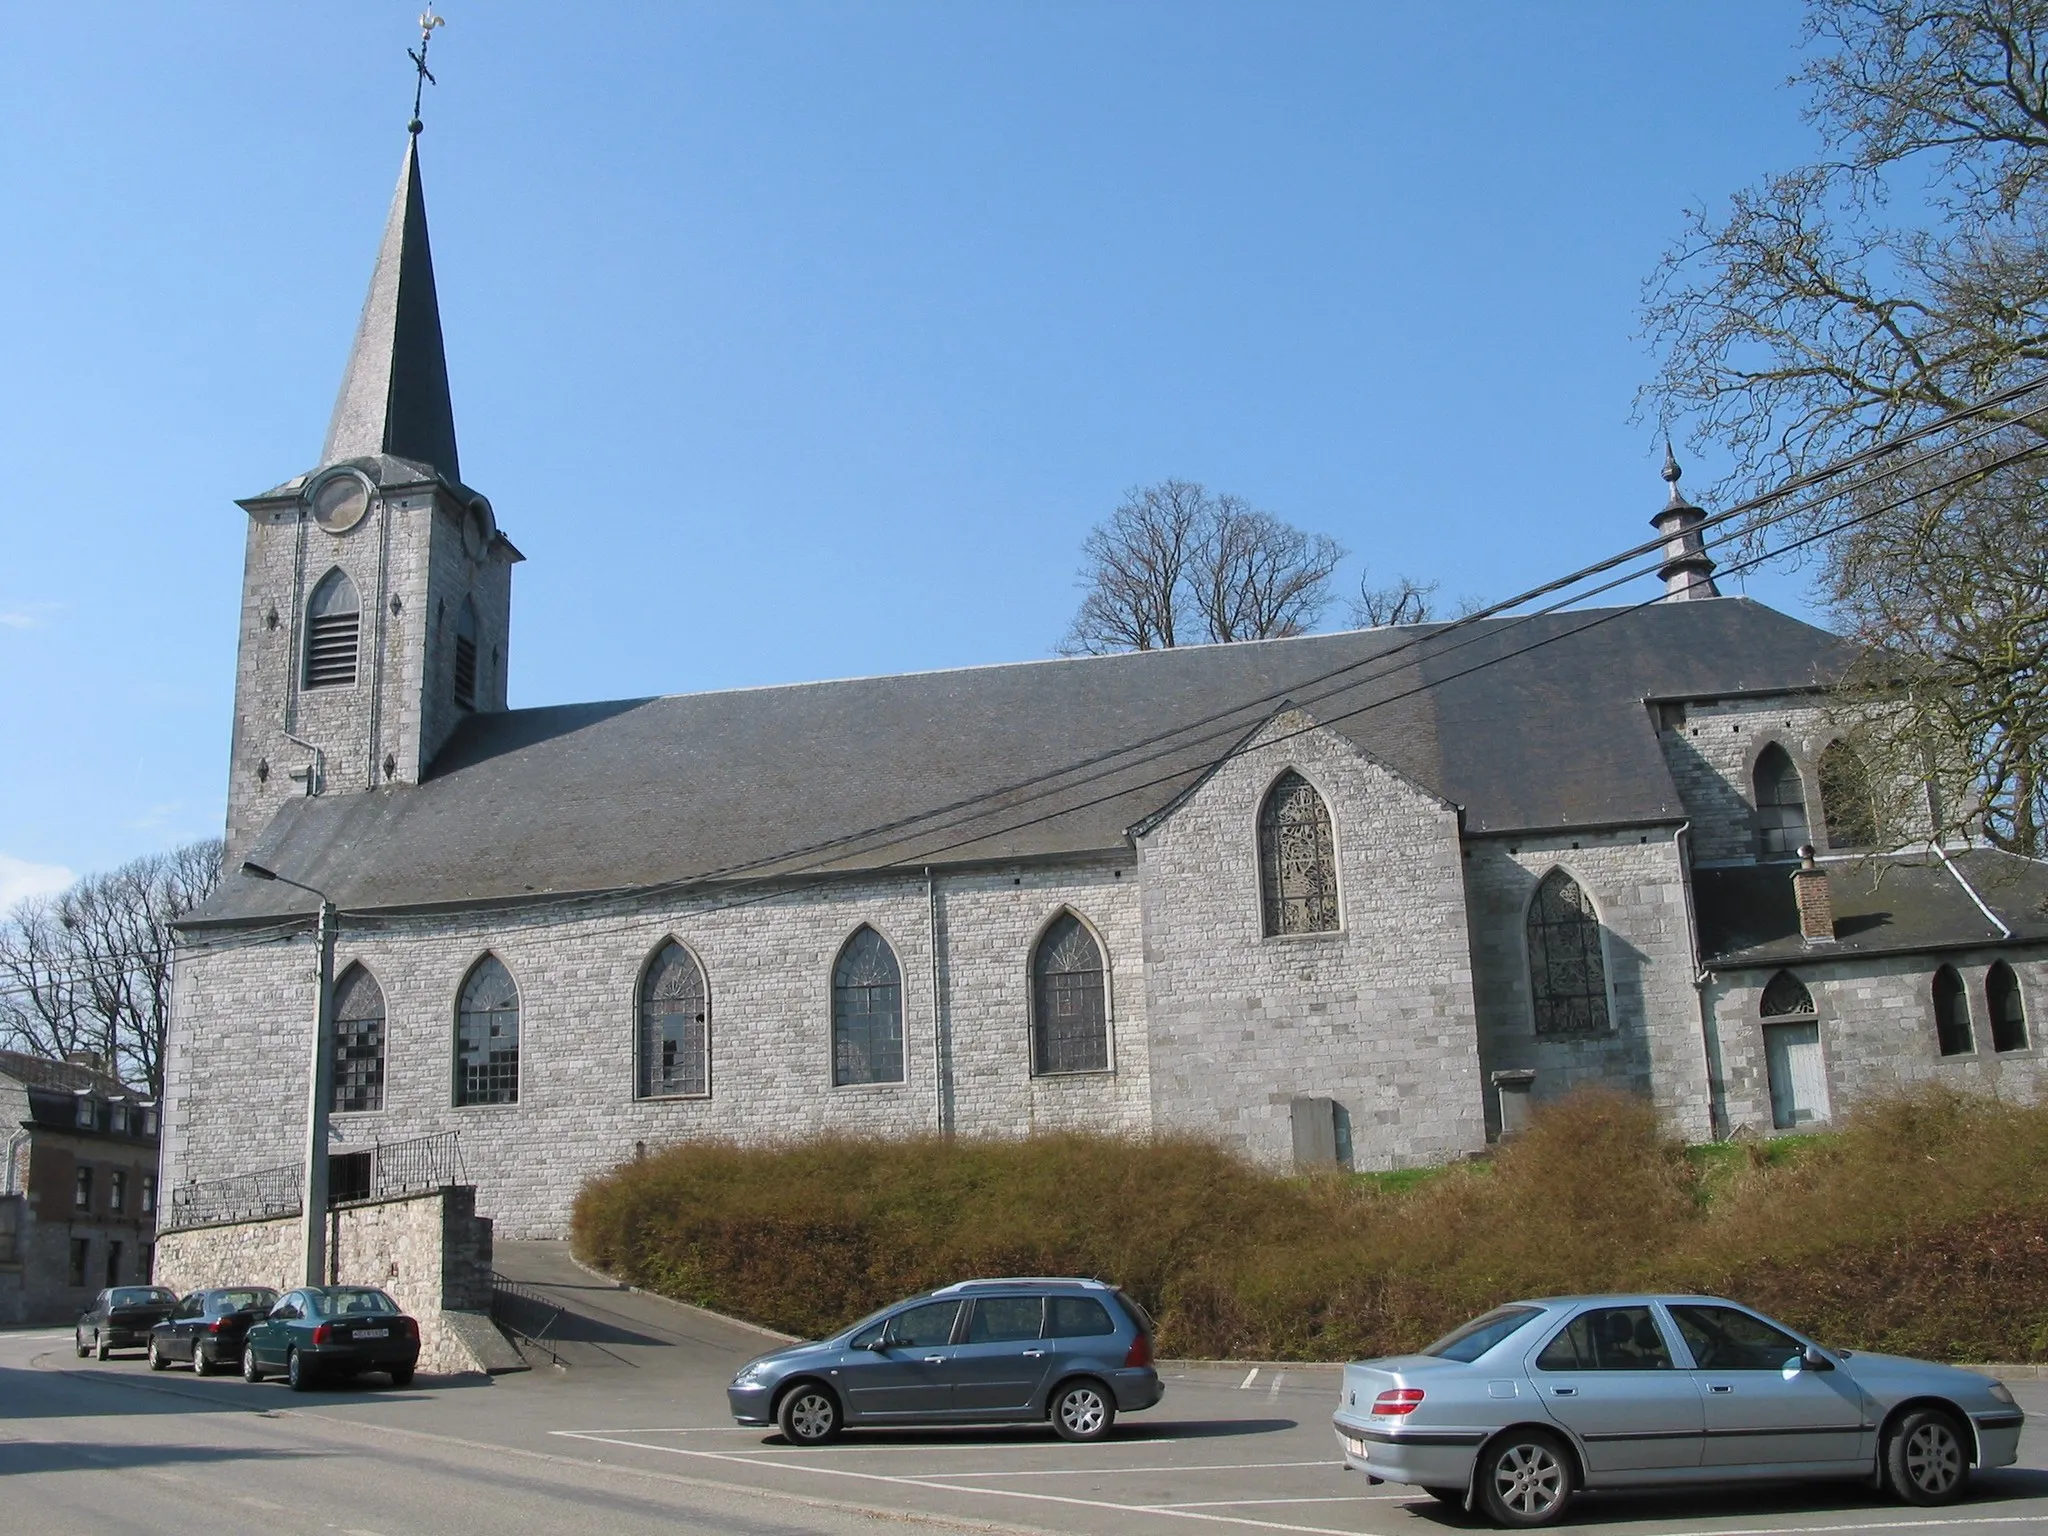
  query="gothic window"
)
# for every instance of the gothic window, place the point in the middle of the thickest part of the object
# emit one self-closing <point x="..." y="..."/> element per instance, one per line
<point x="333" y="620"/>
<point x="358" y="1041"/>
<point x="1847" y="809"/>
<point x="1297" y="859"/>
<point x="1069" y="1001"/>
<point x="1567" y="975"/>
<point x="1780" y="805"/>
<point x="867" y="1012"/>
<point x="2008" y="1010"/>
<point x="1785" y="993"/>
<point x="487" y="1036"/>
<point x="465" y="656"/>
<point x="1952" y="1014"/>
<point x="675" y="1027"/>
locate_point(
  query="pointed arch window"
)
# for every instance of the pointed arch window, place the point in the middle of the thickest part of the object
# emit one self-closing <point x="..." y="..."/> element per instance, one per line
<point x="1847" y="809"/>
<point x="1069" y="1001"/>
<point x="487" y="1036"/>
<point x="2007" y="1008"/>
<point x="1567" y="970"/>
<point x="358" y="1041"/>
<point x="1297" y="859"/>
<point x="1780" y="804"/>
<point x="1785" y="994"/>
<point x="867" y="1012"/>
<point x="1952" y="1014"/>
<point x="465" y="656"/>
<point x="675" y="1027"/>
<point x="333" y="625"/>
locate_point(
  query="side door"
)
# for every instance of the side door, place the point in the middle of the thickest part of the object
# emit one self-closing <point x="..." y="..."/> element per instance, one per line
<point x="1001" y="1360"/>
<point x="1608" y="1376"/>
<point x="1762" y="1407"/>
<point x="271" y="1338"/>
<point x="185" y="1321"/>
<point x="906" y="1370"/>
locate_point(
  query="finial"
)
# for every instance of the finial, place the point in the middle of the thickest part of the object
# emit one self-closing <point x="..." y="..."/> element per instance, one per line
<point x="1671" y="473"/>
<point x="428" y="21"/>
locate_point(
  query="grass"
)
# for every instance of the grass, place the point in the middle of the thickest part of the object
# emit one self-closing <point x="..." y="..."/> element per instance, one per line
<point x="1920" y="1227"/>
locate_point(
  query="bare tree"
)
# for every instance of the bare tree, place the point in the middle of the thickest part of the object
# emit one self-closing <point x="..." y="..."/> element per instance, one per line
<point x="1174" y="562"/>
<point x="90" y="970"/>
<point x="1404" y="601"/>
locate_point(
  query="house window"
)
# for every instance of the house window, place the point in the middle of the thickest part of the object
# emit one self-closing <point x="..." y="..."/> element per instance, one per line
<point x="487" y="1036"/>
<point x="358" y="1041"/>
<point x="81" y="1196"/>
<point x="2007" y="1008"/>
<point x="1069" y="1001"/>
<point x="1780" y="805"/>
<point x="350" y="1176"/>
<point x="333" y="618"/>
<point x="81" y="1258"/>
<point x="113" y="1263"/>
<point x="465" y="656"/>
<point x="88" y="1117"/>
<point x="675" y="1027"/>
<point x="117" y="1190"/>
<point x="117" y="1119"/>
<point x="1297" y="859"/>
<point x="1845" y="800"/>
<point x="149" y="1194"/>
<point x="867" y="1012"/>
<point x="1567" y="972"/>
<point x="1783" y="994"/>
<point x="1952" y="1013"/>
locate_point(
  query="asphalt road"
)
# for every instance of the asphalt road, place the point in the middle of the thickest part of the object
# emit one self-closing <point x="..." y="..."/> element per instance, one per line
<point x="629" y="1435"/>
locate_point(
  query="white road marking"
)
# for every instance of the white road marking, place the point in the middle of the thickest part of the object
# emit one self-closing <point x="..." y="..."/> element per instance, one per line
<point x="1335" y="1498"/>
<point x="1862" y="1525"/>
<point x="1273" y="1391"/>
<point x="1227" y="1466"/>
<point x="1250" y="1376"/>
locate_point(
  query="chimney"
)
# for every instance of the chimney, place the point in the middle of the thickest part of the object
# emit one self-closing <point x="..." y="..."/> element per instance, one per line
<point x="1816" y="902"/>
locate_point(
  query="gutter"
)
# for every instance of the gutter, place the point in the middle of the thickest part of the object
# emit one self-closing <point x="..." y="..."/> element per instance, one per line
<point x="1971" y="891"/>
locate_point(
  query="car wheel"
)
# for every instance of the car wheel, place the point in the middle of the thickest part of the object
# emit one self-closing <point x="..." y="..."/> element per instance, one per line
<point x="1081" y="1410"/>
<point x="100" y="1348"/>
<point x="78" y="1343"/>
<point x="1525" y="1478"/>
<point x="1455" y="1497"/>
<point x="202" y="1364"/>
<point x="1927" y="1460"/>
<point x="401" y="1376"/>
<point x="251" y="1371"/>
<point x="808" y="1415"/>
<point x="157" y="1362"/>
<point x="297" y="1374"/>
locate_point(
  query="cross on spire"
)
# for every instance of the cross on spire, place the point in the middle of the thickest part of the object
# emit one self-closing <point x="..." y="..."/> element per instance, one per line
<point x="428" y="21"/>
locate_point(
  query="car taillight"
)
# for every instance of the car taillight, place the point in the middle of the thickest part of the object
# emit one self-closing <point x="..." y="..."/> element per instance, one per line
<point x="214" y="1326"/>
<point x="412" y="1329"/>
<point x="1140" y="1351"/>
<point x="1398" y="1400"/>
<point x="325" y="1332"/>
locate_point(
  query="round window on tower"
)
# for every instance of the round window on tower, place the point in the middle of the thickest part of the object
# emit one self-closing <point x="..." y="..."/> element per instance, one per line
<point x="340" y="501"/>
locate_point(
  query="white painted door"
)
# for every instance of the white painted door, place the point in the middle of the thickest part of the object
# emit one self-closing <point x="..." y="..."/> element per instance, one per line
<point x="1799" y="1088"/>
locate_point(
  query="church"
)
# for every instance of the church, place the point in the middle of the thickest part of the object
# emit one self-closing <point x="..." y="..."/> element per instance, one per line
<point x="1357" y="898"/>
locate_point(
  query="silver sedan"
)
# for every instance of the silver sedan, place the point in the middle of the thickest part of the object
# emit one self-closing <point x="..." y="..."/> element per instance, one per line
<point x="1513" y="1413"/>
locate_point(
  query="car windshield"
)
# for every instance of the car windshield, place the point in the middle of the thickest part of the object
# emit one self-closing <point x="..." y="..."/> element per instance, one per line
<point x="221" y="1303"/>
<point x="1475" y="1338"/>
<point x="352" y="1303"/>
<point x="141" y="1296"/>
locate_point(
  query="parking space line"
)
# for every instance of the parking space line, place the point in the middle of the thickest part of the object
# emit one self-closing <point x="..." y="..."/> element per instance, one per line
<point x="1099" y="1471"/>
<point x="1250" y="1376"/>
<point x="1840" y="1527"/>
<point x="1334" y="1498"/>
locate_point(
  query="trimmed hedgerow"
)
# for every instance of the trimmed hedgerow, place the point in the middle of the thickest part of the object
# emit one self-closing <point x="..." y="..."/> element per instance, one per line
<point x="1920" y="1228"/>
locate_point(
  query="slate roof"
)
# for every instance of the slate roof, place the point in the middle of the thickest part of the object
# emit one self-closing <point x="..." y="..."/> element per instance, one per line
<point x="63" y="1076"/>
<point x="1536" y="723"/>
<point x="1909" y="902"/>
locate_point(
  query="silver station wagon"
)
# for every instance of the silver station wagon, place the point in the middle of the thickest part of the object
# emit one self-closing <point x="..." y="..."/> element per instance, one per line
<point x="1518" y="1410"/>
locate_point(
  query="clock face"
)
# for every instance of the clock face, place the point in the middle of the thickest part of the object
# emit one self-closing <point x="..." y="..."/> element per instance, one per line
<point x="339" y="502"/>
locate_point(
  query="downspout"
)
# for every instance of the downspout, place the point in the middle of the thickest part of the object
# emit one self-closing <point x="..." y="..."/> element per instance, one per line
<point x="14" y="1145"/>
<point x="931" y="902"/>
<point x="1717" y="1108"/>
<point x="316" y="771"/>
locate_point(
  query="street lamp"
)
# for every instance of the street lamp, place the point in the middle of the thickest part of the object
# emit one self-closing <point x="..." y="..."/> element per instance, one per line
<point x="320" y="1089"/>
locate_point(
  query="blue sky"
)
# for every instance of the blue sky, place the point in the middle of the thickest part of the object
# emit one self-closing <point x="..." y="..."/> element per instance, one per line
<point x="808" y="340"/>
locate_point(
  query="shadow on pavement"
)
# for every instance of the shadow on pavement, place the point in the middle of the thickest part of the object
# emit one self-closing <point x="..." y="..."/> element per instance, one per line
<point x="22" y="1457"/>
<point x="1125" y="1433"/>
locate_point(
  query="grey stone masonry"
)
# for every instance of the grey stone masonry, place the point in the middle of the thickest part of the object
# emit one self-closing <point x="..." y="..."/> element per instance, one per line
<point x="1377" y="1015"/>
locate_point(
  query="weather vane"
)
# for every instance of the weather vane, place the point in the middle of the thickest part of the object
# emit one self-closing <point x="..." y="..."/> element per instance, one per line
<point x="428" y="21"/>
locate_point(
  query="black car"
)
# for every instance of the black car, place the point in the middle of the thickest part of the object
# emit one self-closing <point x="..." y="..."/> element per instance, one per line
<point x="121" y="1318"/>
<point x="332" y="1331"/>
<point x="207" y="1328"/>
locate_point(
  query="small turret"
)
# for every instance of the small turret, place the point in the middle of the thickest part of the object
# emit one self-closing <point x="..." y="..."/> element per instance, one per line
<point x="1687" y="572"/>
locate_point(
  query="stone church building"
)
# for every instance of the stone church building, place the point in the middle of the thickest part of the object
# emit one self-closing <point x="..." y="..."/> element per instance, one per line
<point x="1355" y="897"/>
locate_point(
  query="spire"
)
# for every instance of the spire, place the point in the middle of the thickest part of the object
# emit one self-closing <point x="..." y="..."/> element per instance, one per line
<point x="1687" y="571"/>
<point x="394" y="393"/>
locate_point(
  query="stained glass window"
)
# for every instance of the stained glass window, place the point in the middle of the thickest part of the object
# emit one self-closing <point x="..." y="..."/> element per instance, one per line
<point x="1780" y="805"/>
<point x="675" y="1027"/>
<point x="1567" y="974"/>
<point x="1785" y="993"/>
<point x="487" y="1036"/>
<point x="1952" y="1014"/>
<point x="2008" y="1009"/>
<point x="358" y="1041"/>
<point x="1297" y="859"/>
<point x="1069" y="1001"/>
<point x="1845" y="799"/>
<point x="867" y="1012"/>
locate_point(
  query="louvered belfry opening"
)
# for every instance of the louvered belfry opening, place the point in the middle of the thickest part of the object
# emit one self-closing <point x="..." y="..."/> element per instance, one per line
<point x="333" y="627"/>
<point x="465" y="656"/>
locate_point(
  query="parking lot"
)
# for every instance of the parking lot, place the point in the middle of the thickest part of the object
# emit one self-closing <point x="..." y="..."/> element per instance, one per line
<point x="630" y="1433"/>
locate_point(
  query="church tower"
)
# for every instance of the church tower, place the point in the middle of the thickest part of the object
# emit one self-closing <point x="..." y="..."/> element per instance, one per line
<point x="376" y="589"/>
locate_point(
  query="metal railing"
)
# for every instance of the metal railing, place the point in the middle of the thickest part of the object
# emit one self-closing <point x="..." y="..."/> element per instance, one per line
<point x="526" y="1314"/>
<point x="395" y="1168"/>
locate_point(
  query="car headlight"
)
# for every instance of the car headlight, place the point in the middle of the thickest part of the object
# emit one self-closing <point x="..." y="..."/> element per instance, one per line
<point x="2001" y="1391"/>
<point x="749" y="1374"/>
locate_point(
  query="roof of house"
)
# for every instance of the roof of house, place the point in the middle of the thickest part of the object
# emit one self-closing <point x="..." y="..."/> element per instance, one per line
<point x="1522" y="723"/>
<point x="64" y="1076"/>
<point x="1904" y="902"/>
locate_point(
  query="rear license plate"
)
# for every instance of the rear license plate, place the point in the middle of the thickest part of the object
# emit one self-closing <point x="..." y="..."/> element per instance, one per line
<point x="1355" y="1447"/>
<point x="373" y="1333"/>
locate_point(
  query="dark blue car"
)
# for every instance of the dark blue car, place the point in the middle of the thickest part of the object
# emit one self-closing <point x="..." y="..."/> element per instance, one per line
<point x="1074" y="1353"/>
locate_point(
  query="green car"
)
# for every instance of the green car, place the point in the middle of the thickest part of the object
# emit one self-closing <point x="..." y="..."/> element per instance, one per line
<point x="332" y="1331"/>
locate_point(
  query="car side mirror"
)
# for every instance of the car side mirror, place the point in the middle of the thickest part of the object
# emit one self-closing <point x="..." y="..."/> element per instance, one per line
<point x="880" y="1343"/>
<point x="1813" y="1360"/>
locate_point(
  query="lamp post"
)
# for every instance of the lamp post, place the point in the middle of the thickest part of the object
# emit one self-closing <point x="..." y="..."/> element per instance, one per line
<point x="320" y="1088"/>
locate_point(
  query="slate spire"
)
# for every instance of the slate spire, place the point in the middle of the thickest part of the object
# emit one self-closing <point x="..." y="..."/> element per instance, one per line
<point x="394" y="393"/>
